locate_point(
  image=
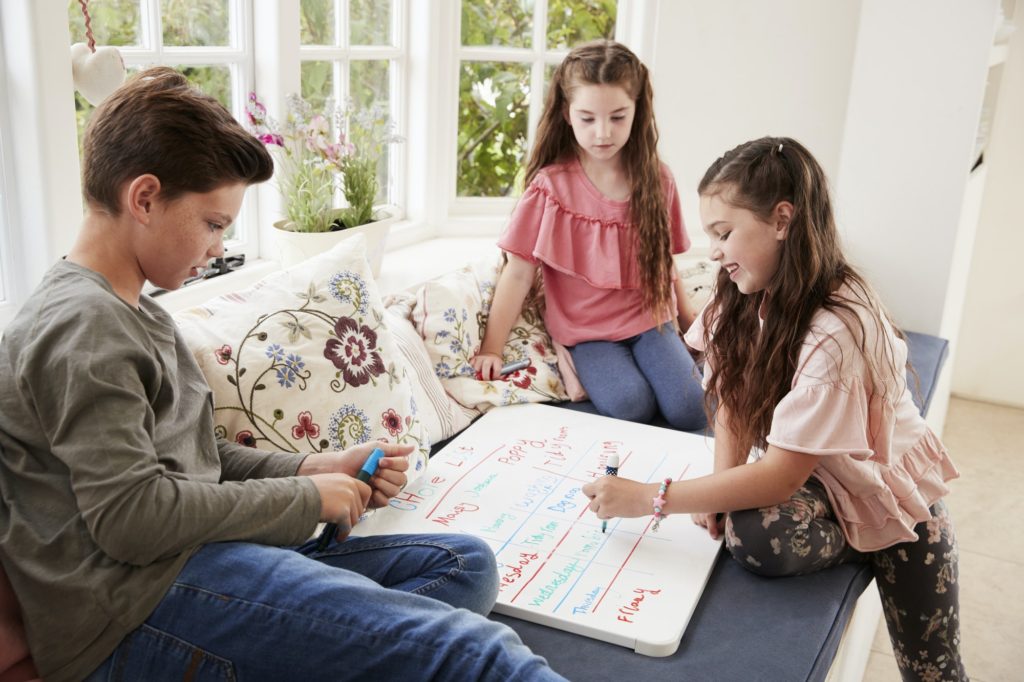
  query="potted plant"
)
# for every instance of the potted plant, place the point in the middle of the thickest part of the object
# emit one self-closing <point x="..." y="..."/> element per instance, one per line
<point x="316" y="153"/>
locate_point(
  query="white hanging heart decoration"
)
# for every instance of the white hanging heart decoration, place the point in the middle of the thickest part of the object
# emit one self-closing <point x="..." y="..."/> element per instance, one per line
<point x="96" y="74"/>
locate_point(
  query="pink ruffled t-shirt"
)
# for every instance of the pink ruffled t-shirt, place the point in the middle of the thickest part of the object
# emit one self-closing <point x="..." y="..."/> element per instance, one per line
<point x="881" y="464"/>
<point x="584" y="243"/>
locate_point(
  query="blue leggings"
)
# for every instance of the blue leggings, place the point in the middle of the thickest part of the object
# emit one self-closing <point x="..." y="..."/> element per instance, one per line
<point x="634" y="378"/>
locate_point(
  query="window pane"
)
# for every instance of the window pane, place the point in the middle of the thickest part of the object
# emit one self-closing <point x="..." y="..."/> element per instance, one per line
<point x="370" y="22"/>
<point x="195" y="22"/>
<point x="571" y="22"/>
<point x="317" y="21"/>
<point x="317" y="83"/>
<point x="369" y="84"/>
<point x="497" y="22"/>
<point x="113" y="22"/>
<point x="493" y="101"/>
<point x="213" y="80"/>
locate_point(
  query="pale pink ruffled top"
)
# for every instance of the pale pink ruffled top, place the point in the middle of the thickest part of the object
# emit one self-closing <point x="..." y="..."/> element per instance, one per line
<point x="881" y="464"/>
<point x="584" y="243"/>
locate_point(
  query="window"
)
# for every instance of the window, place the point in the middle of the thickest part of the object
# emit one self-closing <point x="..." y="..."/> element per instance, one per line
<point x="507" y="52"/>
<point x="352" y="51"/>
<point x="207" y="40"/>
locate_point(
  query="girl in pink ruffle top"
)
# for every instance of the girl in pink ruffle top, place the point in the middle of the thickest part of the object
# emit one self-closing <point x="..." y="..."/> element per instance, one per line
<point x="600" y="218"/>
<point x="803" y="364"/>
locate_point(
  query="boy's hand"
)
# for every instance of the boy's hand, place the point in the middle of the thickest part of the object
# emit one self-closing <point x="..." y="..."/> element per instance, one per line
<point x="387" y="482"/>
<point x="487" y="366"/>
<point x="342" y="500"/>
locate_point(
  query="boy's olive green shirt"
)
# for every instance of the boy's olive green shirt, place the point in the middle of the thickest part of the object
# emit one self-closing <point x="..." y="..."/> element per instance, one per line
<point x="110" y="473"/>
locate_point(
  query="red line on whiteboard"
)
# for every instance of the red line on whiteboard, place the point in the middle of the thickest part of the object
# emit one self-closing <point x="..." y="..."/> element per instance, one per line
<point x="459" y="479"/>
<point x="626" y="560"/>
<point x="622" y="567"/>
<point x="550" y="554"/>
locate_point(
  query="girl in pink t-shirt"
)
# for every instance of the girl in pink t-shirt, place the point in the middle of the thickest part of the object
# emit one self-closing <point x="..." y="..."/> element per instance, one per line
<point x="600" y="218"/>
<point x="803" y="364"/>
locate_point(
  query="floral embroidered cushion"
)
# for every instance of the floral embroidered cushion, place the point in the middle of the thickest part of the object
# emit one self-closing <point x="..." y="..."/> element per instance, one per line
<point x="451" y="316"/>
<point x="303" y="361"/>
<point x="442" y="416"/>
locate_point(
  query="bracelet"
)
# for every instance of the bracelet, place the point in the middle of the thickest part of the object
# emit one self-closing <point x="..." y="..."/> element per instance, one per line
<point x="659" y="504"/>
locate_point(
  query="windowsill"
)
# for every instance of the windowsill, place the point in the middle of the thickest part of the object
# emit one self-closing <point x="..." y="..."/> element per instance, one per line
<point x="203" y="290"/>
<point x="416" y="263"/>
<point x="404" y="267"/>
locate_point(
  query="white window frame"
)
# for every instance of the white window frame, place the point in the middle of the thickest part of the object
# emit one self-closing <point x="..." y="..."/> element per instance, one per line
<point x="342" y="54"/>
<point x="41" y="153"/>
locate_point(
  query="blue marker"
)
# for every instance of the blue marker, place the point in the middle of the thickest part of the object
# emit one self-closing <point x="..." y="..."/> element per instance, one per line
<point x="514" y="366"/>
<point x="611" y="468"/>
<point x="364" y="475"/>
<point x="370" y="465"/>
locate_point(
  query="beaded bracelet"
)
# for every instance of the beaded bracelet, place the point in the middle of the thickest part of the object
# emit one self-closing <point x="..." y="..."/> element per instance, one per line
<point x="659" y="504"/>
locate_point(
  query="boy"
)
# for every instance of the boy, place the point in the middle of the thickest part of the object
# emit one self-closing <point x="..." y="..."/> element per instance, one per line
<point x="139" y="545"/>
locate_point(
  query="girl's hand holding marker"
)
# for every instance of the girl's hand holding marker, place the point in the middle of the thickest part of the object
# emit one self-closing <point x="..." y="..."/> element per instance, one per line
<point x="612" y="496"/>
<point x="488" y="367"/>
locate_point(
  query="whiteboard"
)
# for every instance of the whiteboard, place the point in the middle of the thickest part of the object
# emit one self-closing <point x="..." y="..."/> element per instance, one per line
<point x="513" y="479"/>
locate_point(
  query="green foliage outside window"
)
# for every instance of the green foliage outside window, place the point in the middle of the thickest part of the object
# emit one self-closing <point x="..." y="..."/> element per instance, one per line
<point x="316" y="22"/>
<point x="493" y="107"/>
<point x="195" y="22"/>
<point x="571" y="22"/>
<point x="508" y="23"/>
<point x="114" y="22"/>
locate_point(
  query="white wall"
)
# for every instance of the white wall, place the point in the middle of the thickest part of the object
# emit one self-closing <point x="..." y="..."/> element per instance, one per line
<point x="989" y="364"/>
<point x="725" y="73"/>
<point x="915" y="101"/>
<point x="887" y="95"/>
<point x="34" y="36"/>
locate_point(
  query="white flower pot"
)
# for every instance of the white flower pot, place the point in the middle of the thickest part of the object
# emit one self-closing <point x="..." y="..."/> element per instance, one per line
<point x="295" y="247"/>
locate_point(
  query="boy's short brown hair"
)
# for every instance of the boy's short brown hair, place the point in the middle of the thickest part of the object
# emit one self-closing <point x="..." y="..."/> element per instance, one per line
<point x="158" y="123"/>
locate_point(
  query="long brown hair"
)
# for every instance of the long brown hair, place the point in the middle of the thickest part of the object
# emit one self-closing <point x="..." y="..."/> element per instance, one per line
<point x="605" y="62"/>
<point x="753" y="364"/>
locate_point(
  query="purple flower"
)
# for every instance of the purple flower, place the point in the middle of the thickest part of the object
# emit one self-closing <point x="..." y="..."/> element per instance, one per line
<point x="354" y="352"/>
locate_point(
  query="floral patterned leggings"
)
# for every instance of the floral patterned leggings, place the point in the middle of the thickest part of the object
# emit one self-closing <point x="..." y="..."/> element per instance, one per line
<point x="917" y="581"/>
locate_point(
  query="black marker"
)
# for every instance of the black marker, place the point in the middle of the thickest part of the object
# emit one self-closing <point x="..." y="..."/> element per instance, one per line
<point x="611" y="468"/>
<point x="514" y="366"/>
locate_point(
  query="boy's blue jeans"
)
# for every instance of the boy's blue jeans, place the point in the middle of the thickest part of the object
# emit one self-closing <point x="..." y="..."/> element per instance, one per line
<point x="375" y="608"/>
<point x="635" y="378"/>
